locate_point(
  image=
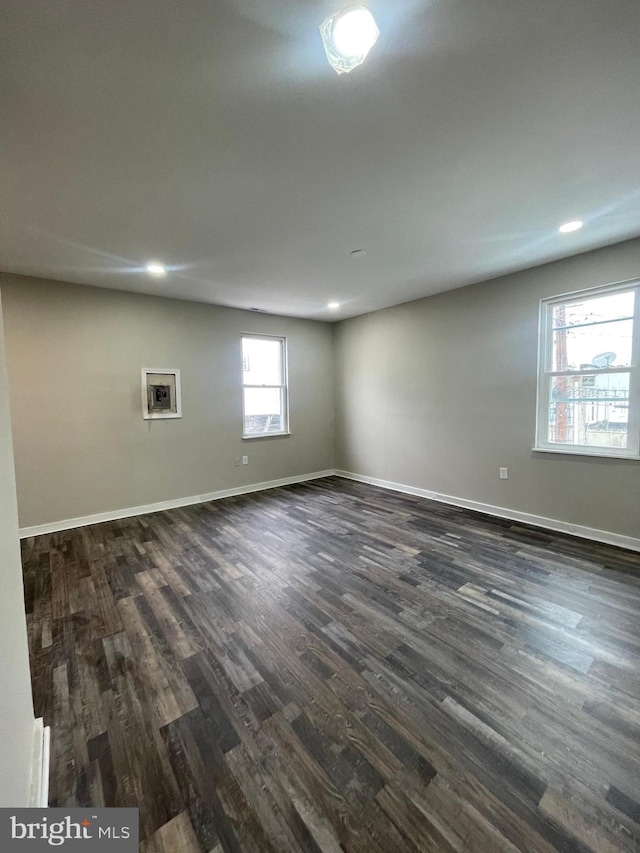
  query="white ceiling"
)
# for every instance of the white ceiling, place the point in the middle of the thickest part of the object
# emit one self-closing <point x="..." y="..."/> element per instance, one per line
<point x="212" y="135"/>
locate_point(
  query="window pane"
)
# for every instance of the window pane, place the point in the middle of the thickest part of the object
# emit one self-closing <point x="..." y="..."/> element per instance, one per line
<point x="596" y="308"/>
<point x="590" y="411"/>
<point x="601" y="345"/>
<point x="262" y="411"/>
<point x="593" y="332"/>
<point x="262" y="361"/>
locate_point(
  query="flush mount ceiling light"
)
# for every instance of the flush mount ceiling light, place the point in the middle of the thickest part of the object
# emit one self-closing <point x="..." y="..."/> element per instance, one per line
<point x="348" y="36"/>
<point x="576" y="225"/>
<point x="333" y="305"/>
<point x="358" y="253"/>
<point x="156" y="269"/>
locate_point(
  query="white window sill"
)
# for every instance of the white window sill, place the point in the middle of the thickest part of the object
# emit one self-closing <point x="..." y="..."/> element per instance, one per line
<point x="592" y="451"/>
<point x="265" y="435"/>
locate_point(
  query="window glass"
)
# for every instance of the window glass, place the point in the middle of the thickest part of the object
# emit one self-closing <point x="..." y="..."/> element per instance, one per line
<point x="589" y="378"/>
<point x="264" y="386"/>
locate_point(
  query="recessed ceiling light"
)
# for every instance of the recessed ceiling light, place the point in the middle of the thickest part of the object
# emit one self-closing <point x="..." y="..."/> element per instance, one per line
<point x="333" y="305"/>
<point x="358" y="253"/>
<point x="348" y="36"/>
<point x="154" y="268"/>
<point x="576" y="225"/>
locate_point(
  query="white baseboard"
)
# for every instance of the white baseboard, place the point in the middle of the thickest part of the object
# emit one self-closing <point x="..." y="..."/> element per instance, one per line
<point x="39" y="790"/>
<point x="605" y="536"/>
<point x="114" y="515"/>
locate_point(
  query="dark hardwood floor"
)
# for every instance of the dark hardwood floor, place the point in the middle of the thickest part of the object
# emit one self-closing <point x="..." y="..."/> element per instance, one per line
<point x="333" y="667"/>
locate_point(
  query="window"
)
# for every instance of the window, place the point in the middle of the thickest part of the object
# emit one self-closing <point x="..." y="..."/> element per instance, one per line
<point x="264" y="386"/>
<point x="589" y="372"/>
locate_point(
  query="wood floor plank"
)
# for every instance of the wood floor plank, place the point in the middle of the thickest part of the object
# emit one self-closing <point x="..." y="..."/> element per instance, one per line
<point x="333" y="668"/>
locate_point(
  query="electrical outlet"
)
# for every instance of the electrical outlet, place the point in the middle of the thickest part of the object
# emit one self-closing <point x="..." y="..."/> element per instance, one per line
<point x="504" y="473"/>
<point x="236" y="461"/>
<point x="245" y="460"/>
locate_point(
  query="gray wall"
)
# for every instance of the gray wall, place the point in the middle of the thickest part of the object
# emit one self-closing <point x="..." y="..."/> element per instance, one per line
<point x="74" y="357"/>
<point x="16" y="708"/>
<point x="439" y="393"/>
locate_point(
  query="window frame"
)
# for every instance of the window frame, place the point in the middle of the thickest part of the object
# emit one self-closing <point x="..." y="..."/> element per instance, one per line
<point x="283" y="386"/>
<point x="546" y="372"/>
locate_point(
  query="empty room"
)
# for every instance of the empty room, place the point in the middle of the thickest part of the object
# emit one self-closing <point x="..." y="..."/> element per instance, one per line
<point x="320" y="426"/>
